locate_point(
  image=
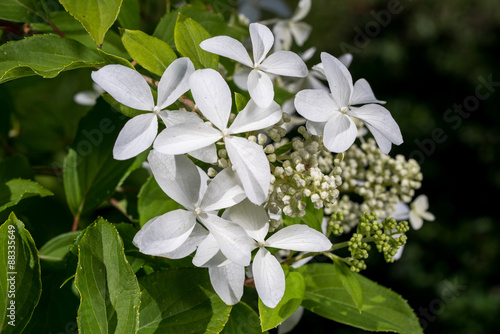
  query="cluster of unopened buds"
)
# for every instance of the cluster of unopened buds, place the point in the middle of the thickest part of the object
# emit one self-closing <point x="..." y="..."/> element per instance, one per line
<point x="256" y="176"/>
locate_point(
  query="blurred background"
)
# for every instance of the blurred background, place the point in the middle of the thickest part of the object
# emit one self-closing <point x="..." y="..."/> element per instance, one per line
<point x="437" y="64"/>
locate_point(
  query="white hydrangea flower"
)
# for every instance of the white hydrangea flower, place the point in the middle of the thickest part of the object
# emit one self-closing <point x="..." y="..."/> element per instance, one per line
<point x="213" y="98"/>
<point x="128" y="87"/>
<point x="336" y="108"/>
<point x="184" y="182"/>
<point x="419" y="213"/>
<point x="88" y="97"/>
<point x="291" y="29"/>
<point x="257" y="77"/>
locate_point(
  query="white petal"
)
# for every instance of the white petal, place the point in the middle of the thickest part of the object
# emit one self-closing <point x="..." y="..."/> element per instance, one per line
<point x="197" y="235"/>
<point x="362" y="93"/>
<point x="315" y="105"/>
<point x="285" y="63"/>
<point x="381" y="124"/>
<point x="212" y="96"/>
<point x="227" y="47"/>
<point x="86" y="98"/>
<point x="421" y="203"/>
<point x="262" y="41"/>
<point x="253" y="218"/>
<point x="269" y="278"/>
<point x="252" y="167"/>
<point x="303" y="8"/>
<point x="186" y="137"/>
<point x="283" y="36"/>
<point x="207" y="249"/>
<point x="339" y="133"/>
<point x="292" y="321"/>
<point x="339" y="79"/>
<point x="165" y="233"/>
<point x="174" y="117"/>
<point x="346" y="59"/>
<point x="126" y="86"/>
<point x="260" y="88"/>
<point x="136" y="136"/>
<point x="240" y="78"/>
<point x="416" y="221"/>
<point x="177" y="176"/>
<point x="253" y="117"/>
<point x="206" y="154"/>
<point x="299" y="238"/>
<point x="399" y="253"/>
<point x="232" y="239"/>
<point x="315" y="128"/>
<point x="224" y="191"/>
<point x="300" y="32"/>
<point x="401" y="212"/>
<point x="228" y="281"/>
<point x="174" y="82"/>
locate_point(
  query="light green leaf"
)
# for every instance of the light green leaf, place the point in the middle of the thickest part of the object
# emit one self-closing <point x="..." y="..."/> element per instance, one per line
<point x="130" y="14"/>
<point x="383" y="309"/>
<point x="153" y="201"/>
<point x="240" y="100"/>
<point x="96" y="16"/>
<point x="188" y="35"/>
<point x="20" y="282"/>
<point x="46" y="56"/>
<point x="313" y="217"/>
<point x="201" y="310"/>
<point x="56" y="248"/>
<point x="242" y="320"/>
<point x="110" y="295"/>
<point x="150" y="52"/>
<point x="350" y="283"/>
<point x="294" y="293"/>
<point x="17" y="189"/>
<point x="91" y="175"/>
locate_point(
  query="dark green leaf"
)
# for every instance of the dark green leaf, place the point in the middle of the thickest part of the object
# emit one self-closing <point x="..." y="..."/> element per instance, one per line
<point x="19" y="10"/>
<point x="350" y="283"/>
<point x="56" y="248"/>
<point x="20" y="284"/>
<point x="313" y="217"/>
<point x="109" y="290"/>
<point x="96" y="16"/>
<point x="294" y="293"/>
<point x="201" y="310"/>
<point x="17" y="189"/>
<point x="242" y="320"/>
<point x="150" y="52"/>
<point x="383" y="309"/>
<point x="130" y="14"/>
<point x="188" y="35"/>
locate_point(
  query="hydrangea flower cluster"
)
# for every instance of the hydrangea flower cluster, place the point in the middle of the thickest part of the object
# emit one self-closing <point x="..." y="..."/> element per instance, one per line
<point x="237" y="174"/>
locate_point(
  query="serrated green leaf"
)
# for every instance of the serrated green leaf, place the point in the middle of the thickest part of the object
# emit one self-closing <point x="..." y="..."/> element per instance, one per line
<point x="17" y="189"/>
<point x="383" y="309"/>
<point x="96" y="16"/>
<point x="46" y="56"/>
<point x="242" y="320"/>
<point x="110" y="295"/>
<point x="313" y="217"/>
<point x="350" y="283"/>
<point x="153" y="201"/>
<point x="91" y="175"/>
<point x="294" y="293"/>
<point x="20" y="283"/>
<point x="201" y="310"/>
<point x="188" y="35"/>
<point x="150" y="52"/>
<point x="19" y="10"/>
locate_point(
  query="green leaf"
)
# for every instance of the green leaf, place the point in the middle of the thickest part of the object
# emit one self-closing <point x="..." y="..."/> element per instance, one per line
<point x="20" y="282"/>
<point x="17" y="189"/>
<point x="110" y="295"/>
<point x="150" y="52"/>
<point x="201" y="310"/>
<point x="56" y="248"/>
<point x="350" y="283"/>
<point x="46" y="56"/>
<point x="313" y="217"/>
<point x="153" y="201"/>
<point x="188" y="35"/>
<point x="130" y="14"/>
<point x="383" y="309"/>
<point x="242" y="320"/>
<point x="240" y="101"/>
<point x="19" y="10"/>
<point x="294" y="293"/>
<point x="91" y="175"/>
<point x="96" y="16"/>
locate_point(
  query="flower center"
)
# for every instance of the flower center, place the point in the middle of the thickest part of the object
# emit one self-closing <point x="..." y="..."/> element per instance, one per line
<point x="261" y="244"/>
<point x="156" y="110"/>
<point x="197" y="211"/>
<point x="344" y="110"/>
<point x="226" y="133"/>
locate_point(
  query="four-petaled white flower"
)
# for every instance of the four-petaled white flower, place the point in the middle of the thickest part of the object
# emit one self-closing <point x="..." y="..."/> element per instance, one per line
<point x="128" y="87"/>
<point x="258" y="82"/>
<point x="213" y="98"/>
<point x="186" y="183"/>
<point x="285" y="31"/>
<point x="336" y="108"/>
